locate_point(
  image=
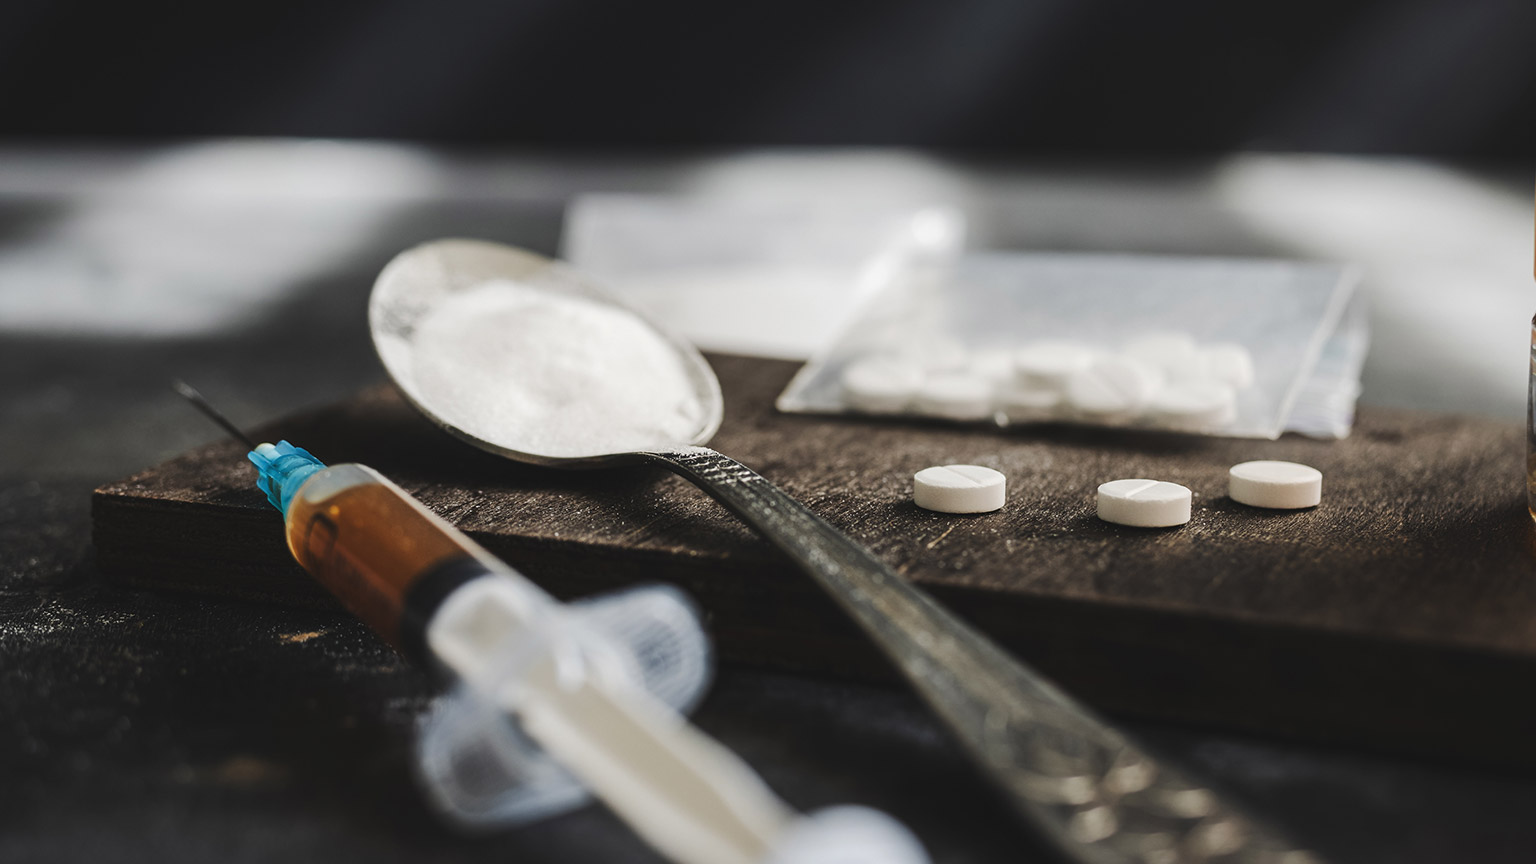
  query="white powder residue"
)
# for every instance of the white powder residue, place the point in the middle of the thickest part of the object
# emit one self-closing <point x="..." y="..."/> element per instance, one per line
<point x="551" y="374"/>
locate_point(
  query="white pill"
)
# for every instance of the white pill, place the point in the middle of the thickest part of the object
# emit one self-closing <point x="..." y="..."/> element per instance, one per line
<point x="1022" y="403"/>
<point x="1144" y="503"/>
<point x="1193" y="404"/>
<point x="1050" y="364"/>
<point x="881" y="385"/>
<point x="1113" y="389"/>
<point x="1228" y="363"/>
<point x="956" y="396"/>
<point x="1276" y="485"/>
<point x="958" y="489"/>
<point x="938" y="355"/>
<point x="1174" y="354"/>
<point x="994" y="364"/>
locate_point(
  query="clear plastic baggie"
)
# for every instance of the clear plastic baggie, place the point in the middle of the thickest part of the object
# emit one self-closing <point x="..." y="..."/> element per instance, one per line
<point x="1231" y="347"/>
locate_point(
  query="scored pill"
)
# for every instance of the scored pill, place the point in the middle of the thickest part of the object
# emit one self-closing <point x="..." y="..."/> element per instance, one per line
<point x="1275" y="485"/>
<point x="959" y="489"/>
<point x="1142" y="503"/>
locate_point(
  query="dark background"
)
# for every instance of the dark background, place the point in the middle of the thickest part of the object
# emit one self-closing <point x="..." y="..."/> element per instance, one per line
<point x="1444" y="77"/>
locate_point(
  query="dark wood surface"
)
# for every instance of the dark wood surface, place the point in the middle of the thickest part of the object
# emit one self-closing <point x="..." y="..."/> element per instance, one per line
<point x="1398" y="615"/>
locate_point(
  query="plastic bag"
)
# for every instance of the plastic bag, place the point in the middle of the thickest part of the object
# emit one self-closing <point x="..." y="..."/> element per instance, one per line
<point x="1231" y="347"/>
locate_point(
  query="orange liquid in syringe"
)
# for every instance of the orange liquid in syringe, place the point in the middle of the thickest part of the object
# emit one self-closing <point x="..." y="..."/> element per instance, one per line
<point x="369" y="543"/>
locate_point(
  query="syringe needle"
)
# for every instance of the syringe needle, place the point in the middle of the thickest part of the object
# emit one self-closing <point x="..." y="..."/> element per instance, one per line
<point x="191" y="395"/>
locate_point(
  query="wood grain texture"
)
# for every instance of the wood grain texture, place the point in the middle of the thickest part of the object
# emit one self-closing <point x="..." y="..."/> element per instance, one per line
<point x="1400" y="614"/>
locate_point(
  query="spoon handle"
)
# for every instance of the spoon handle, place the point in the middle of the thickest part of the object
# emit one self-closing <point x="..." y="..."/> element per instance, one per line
<point x="1097" y="795"/>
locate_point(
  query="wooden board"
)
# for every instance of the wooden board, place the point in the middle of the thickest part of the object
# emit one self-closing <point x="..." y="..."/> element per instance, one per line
<point x="1400" y="614"/>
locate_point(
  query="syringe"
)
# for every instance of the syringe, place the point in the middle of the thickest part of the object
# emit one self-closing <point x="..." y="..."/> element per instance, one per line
<point x="569" y="678"/>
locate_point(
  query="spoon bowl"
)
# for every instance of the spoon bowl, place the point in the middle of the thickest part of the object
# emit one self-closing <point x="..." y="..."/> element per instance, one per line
<point x="408" y="304"/>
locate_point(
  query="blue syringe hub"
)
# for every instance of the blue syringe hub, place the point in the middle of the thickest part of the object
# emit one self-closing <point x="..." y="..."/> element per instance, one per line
<point x="281" y="469"/>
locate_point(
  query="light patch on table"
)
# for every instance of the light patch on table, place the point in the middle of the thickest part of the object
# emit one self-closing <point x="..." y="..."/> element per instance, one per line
<point x="203" y="239"/>
<point x="1447" y="258"/>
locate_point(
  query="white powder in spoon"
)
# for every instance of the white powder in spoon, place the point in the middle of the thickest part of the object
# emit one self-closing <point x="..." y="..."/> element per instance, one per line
<point x="552" y="374"/>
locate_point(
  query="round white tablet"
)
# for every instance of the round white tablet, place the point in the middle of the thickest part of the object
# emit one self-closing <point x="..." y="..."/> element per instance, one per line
<point x="1112" y="389"/>
<point x="1175" y="354"/>
<point x="1228" y="363"/>
<point x="1144" y="503"/>
<point x="993" y="364"/>
<point x="955" y="396"/>
<point x="1193" y="404"/>
<point x="1021" y="403"/>
<point x="881" y="385"/>
<point x="937" y="354"/>
<point x="1275" y="485"/>
<point x="1050" y="364"/>
<point x="958" y="489"/>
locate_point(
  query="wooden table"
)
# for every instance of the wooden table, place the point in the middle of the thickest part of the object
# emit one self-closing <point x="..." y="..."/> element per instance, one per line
<point x="1400" y="614"/>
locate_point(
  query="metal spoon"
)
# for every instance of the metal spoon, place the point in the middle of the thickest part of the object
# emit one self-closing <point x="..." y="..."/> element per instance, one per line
<point x="1098" y="796"/>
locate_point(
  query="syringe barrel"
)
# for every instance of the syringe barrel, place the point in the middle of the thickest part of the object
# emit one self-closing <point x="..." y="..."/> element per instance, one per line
<point x="384" y="555"/>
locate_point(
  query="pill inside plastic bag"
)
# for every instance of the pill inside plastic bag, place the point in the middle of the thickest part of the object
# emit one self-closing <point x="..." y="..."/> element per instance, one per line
<point x="1232" y="347"/>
